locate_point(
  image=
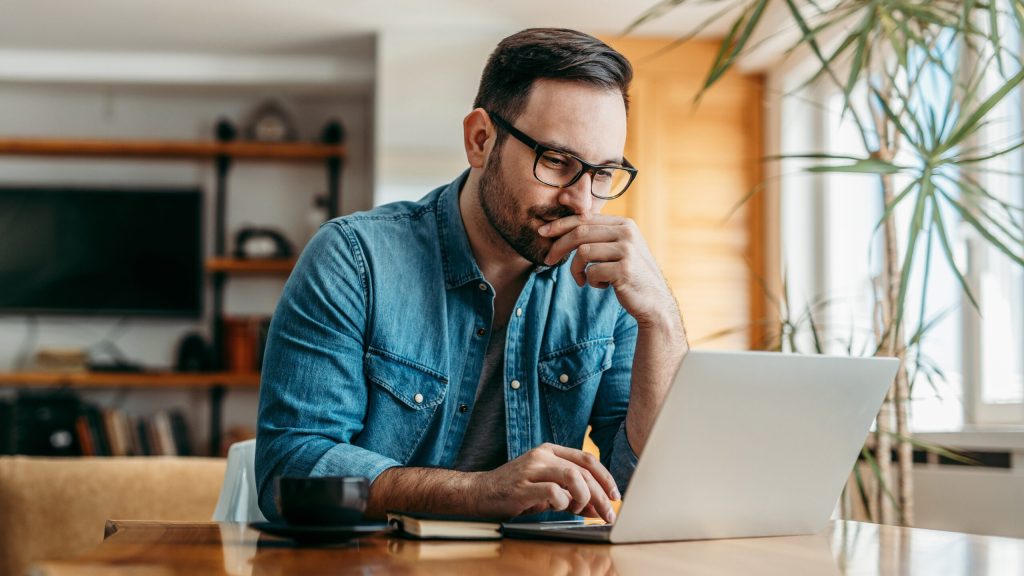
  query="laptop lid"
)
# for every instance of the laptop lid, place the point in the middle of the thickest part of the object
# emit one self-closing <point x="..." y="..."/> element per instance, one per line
<point x="752" y="444"/>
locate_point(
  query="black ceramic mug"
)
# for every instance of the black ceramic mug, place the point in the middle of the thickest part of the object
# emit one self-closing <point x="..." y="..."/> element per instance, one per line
<point x="322" y="501"/>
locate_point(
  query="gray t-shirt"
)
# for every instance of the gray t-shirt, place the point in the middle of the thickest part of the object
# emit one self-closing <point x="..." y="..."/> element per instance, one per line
<point x="485" y="444"/>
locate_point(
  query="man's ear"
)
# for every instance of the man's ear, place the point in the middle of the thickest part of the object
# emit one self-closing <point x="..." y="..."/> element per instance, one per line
<point x="478" y="135"/>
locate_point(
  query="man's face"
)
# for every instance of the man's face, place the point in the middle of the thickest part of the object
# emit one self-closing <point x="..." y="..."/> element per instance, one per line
<point x="577" y="118"/>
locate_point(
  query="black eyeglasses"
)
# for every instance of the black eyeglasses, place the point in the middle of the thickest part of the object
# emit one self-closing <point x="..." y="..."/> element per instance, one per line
<point x="561" y="169"/>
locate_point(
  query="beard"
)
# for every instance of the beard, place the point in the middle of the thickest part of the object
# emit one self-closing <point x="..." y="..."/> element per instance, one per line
<point x="505" y="213"/>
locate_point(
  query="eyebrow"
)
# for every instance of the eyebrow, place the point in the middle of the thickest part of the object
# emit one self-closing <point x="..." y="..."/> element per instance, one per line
<point x="561" y="148"/>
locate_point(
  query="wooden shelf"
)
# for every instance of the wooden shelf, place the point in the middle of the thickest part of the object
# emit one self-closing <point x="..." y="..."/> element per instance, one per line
<point x="254" y="266"/>
<point x="130" y="379"/>
<point x="170" y="149"/>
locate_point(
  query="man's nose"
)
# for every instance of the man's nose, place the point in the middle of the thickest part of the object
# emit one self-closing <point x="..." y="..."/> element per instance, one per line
<point x="578" y="196"/>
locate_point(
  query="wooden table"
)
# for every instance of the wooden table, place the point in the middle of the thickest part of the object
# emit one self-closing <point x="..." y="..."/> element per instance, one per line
<point x="159" y="548"/>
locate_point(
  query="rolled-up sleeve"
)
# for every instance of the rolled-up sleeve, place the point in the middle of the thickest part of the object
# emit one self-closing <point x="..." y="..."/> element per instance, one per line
<point x="608" y="418"/>
<point x="313" y="394"/>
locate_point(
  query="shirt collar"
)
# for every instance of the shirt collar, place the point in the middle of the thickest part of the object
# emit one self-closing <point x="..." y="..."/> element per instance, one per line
<point x="456" y="254"/>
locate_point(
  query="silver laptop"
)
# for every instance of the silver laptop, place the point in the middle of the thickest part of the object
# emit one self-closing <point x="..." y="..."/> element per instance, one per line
<point x="746" y="444"/>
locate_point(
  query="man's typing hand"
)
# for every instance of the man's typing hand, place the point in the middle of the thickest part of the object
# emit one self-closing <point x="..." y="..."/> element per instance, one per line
<point x="549" y="477"/>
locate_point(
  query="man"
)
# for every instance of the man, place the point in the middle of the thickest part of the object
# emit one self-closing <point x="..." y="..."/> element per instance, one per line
<point x="454" y="350"/>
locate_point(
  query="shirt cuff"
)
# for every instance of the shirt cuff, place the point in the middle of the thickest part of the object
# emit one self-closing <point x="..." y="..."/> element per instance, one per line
<point x="624" y="459"/>
<point x="350" y="460"/>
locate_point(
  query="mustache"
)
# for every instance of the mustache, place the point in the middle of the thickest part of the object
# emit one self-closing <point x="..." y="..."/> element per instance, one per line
<point x="552" y="213"/>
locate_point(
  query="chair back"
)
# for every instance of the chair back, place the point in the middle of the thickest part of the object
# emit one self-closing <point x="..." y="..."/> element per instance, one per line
<point x="238" y="499"/>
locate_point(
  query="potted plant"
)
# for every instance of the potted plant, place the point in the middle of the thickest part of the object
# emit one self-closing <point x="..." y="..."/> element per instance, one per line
<point x="926" y="153"/>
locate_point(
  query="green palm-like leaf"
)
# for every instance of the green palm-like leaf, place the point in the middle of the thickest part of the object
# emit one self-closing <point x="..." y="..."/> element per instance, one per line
<point x="883" y="482"/>
<point x="997" y="243"/>
<point x="913" y="233"/>
<point x="734" y="44"/>
<point x="863" y="493"/>
<point x="972" y="122"/>
<point x="947" y="251"/>
<point x="861" y="166"/>
<point x="936" y="449"/>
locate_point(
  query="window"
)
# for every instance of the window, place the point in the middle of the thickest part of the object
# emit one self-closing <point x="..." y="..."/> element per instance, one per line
<point x="997" y="330"/>
<point x="970" y="368"/>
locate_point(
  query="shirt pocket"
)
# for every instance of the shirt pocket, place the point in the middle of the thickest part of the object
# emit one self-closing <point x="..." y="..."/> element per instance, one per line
<point x="571" y="376"/>
<point x="403" y="397"/>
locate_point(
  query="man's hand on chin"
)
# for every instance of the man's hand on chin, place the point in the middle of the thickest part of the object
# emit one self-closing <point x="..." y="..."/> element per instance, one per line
<point x="611" y="251"/>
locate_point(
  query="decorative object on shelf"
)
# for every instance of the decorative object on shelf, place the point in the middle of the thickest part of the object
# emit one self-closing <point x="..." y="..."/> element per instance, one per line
<point x="225" y="130"/>
<point x="243" y="343"/>
<point x="253" y="242"/>
<point x="194" y="354"/>
<point x="333" y="132"/>
<point x="270" y="122"/>
<point x="44" y="424"/>
<point x="61" y="360"/>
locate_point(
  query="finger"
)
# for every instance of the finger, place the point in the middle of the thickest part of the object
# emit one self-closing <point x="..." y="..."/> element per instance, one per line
<point x="587" y="253"/>
<point x="548" y="496"/>
<point x="582" y="234"/>
<point x="575" y="482"/>
<point x="563" y="225"/>
<point x="598" y="498"/>
<point x="604" y="274"/>
<point x="591" y="463"/>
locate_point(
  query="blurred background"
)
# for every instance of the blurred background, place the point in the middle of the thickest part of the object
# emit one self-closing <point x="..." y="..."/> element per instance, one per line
<point x="161" y="165"/>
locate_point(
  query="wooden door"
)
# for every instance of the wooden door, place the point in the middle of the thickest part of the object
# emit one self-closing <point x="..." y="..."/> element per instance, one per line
<point x="697" y="163"/>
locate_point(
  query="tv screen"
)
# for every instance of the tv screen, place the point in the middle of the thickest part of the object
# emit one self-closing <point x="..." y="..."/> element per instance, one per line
<point x="101" y="251"/>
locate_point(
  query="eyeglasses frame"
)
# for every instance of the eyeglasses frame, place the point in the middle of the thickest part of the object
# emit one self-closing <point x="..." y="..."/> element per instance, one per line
<point x="588" y="168"/>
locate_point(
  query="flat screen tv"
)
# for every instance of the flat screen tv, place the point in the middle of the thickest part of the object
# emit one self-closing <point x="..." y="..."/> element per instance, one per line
<point x="101" y="251"/>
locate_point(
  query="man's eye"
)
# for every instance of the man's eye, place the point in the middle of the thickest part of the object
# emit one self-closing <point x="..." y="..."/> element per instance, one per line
<point x="554" y="161"/>
<point x="603" y="175"/>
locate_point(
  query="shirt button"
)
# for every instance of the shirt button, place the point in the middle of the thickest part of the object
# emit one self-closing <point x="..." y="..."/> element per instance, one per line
<point x="515" y="384"/>
<point x="519" y="311"/>
<point x="481" y="332"/>
<point x="418" y="398"/>
<point x="463" y="408"/>
<point x="483" y="287"/>
<point x="563" y="378"/>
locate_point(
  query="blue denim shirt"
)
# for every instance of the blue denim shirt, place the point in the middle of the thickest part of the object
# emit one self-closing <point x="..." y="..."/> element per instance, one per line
<point x="375" y="344"/>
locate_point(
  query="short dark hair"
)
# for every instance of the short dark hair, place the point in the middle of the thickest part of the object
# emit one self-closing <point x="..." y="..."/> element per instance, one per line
<point x="555" y="53"/>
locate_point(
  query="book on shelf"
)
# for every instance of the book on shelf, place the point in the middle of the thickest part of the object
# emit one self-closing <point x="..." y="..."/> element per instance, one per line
<point x="59" y="424"/>
<point x="179" y="433"/>
<point x="439" y="526"/>
<point x="115" y="427"/>
<point x="162" y="439"/>
<point x="111" y="432"/>
<point x="142" y="445"/>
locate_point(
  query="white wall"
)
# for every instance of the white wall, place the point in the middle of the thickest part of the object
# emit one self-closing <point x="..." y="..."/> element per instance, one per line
<point x="426" y="83"/>
<point x="279" y="195"/>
